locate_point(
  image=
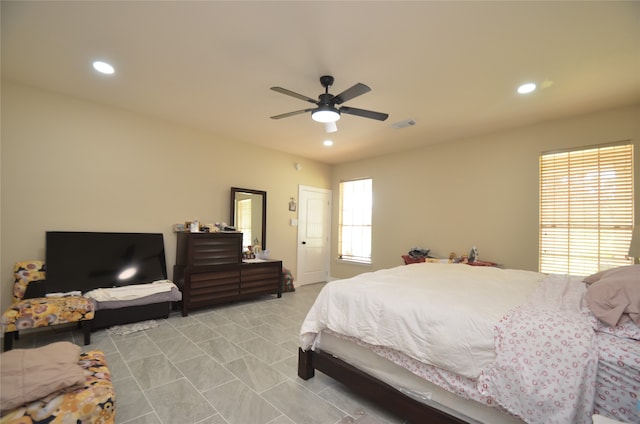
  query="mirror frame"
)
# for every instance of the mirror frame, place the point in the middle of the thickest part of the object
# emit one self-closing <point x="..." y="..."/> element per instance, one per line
<point x="235" y="190"/>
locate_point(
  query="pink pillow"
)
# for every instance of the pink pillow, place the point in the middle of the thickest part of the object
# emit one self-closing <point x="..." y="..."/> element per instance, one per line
<point x="622" y="271"/>
<point x="614" y="294"/>
<point x="30" y="374"/>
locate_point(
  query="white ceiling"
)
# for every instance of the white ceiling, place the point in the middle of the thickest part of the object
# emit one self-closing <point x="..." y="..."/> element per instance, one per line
<point x="453" y="67"/>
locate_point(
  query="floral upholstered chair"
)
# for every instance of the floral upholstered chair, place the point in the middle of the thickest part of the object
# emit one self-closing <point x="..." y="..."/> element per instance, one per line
<point x="42" y="311"/>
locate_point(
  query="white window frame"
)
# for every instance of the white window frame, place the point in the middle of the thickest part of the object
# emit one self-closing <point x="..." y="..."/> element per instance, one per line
<point x="355" y="221"/>
<point x="586" y="209"/>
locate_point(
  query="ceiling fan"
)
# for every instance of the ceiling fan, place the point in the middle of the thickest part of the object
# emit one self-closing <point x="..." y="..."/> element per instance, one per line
<point x="326" y="111"/>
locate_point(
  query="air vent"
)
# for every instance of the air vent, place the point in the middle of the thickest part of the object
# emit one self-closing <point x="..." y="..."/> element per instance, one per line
<point x="404" y="124"/>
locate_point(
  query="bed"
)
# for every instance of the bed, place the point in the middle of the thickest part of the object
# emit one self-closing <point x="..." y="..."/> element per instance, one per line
<point x="451" y="343"/>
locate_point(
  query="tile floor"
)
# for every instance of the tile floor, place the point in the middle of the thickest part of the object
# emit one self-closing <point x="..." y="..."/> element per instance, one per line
<point x="230" y="364"/>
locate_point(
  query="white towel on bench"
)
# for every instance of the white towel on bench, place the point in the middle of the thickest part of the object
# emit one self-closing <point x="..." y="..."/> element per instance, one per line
<point x="133" y="291"/>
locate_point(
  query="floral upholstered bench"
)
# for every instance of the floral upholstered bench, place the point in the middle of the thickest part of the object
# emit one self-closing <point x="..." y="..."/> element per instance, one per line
<point x="56" y="384"/>
<point x="30" y="312"/>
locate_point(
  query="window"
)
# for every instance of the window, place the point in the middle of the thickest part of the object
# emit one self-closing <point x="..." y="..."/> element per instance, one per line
<point x="586" y="209"/>
<point x="354" y="238"/>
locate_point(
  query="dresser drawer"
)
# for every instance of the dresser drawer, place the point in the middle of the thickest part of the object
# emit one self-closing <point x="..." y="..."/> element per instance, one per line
<point x="212" y="286"/>
<point x="261" y="278"/>
<point x="215" y="251"/>
<point x="207" y="249"/>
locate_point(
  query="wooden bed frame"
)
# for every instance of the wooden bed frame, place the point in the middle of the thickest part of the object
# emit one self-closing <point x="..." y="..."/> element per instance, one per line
<point x="371" y="388"/>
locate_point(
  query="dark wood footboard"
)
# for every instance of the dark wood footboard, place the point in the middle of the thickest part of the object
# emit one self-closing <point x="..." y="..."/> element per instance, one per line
<point x="371" y="388"/>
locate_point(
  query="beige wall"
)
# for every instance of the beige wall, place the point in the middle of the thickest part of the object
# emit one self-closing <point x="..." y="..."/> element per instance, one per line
<point x="72" y="165"/>
<point x="481" y="191"/>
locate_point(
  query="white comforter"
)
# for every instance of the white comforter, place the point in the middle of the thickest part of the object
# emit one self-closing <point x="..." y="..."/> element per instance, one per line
<point x="451" y="327"/>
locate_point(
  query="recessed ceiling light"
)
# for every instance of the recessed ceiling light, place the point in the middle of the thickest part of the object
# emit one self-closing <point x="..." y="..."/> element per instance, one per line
<point x="328" y="143"/>
<point x="526" y="88"/>
<point x="103" y="67"/>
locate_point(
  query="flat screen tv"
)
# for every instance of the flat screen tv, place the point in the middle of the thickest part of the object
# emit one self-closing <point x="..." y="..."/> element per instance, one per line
<point x="88" y="260"/>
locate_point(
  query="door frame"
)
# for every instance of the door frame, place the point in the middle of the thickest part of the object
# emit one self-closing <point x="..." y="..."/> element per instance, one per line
<point x="326" y="261"/>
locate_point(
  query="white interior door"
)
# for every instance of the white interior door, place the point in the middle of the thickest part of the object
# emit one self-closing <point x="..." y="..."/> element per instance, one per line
<point x="314" y="224"/>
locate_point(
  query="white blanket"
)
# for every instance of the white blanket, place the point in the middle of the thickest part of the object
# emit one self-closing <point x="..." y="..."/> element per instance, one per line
<point x="440" y="314"/>
<point x="131" y="292"/>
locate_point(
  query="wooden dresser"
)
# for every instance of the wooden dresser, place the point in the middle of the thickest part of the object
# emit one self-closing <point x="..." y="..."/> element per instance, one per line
<point x="209" y="270"/>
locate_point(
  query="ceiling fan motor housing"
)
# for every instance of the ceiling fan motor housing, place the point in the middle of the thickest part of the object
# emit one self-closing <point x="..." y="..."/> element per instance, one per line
<point x="326" y="111"/>
<point x="326" y="81"/>
<point x="326" y="99"/>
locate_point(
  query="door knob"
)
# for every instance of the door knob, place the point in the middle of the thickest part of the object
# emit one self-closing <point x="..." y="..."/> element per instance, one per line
<point x="304" y="242"/>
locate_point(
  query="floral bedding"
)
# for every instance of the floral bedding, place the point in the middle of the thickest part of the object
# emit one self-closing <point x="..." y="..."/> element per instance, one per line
<point x="618" y="377"/>
<point x="557" y="363"/>
<point x="617" y="387"/>
<point x="547" y="356"/>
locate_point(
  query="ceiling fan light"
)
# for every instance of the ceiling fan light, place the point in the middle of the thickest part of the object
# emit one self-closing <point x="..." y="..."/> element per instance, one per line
<point x="325" y="114"/>
<point x="330" y="127"/>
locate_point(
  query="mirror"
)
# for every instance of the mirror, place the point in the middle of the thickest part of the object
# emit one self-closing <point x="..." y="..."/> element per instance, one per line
<point x="249" y="215"/>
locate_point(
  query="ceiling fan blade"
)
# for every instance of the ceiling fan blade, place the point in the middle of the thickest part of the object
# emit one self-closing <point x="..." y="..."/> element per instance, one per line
<point x="364" y="113"/>
<point x="285" y="115"/>
<point x="348" y="94"/>
<point x="296" y="95"/>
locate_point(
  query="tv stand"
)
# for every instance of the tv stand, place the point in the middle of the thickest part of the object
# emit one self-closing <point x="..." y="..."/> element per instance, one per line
<point x="209" y="270"/>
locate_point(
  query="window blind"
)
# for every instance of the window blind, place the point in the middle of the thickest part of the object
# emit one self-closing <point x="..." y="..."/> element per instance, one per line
<point x="354" y="235"/>
<point x="586" y="209"/>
